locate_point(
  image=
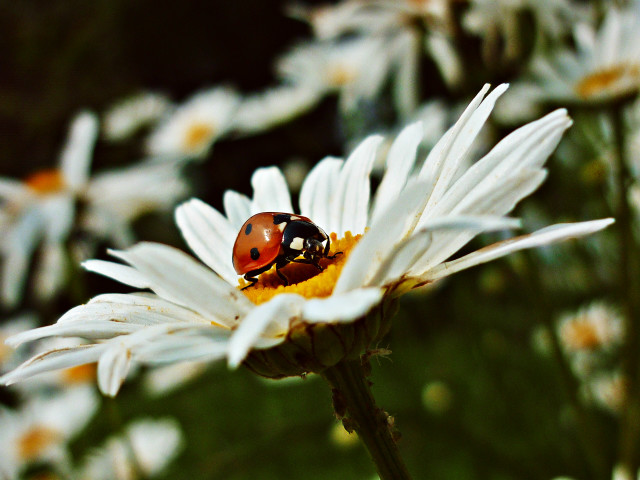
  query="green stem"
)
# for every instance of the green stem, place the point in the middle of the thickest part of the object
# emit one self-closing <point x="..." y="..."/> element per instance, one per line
<point x="630" y="291"/>
<point x="355" y="405"/>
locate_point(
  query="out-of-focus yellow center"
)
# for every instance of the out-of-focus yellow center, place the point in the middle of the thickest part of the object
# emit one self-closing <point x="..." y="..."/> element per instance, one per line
<point x="598" y="82"/>
<point x="46" y="181"/>
<point x="35" y="441"/>
<point x="304" y="280"/>
<point x="580" y="334"/>
<point x="80" y="374"/>
<point x="5" y="350"/>
<point x="197" y="136"/>
<point x="340" y="75"/>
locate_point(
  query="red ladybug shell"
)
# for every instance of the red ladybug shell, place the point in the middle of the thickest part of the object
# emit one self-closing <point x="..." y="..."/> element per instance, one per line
<point x="259" y="240"/>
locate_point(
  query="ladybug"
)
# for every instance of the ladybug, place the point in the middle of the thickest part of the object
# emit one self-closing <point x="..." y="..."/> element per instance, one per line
<point x="270" y="238"/>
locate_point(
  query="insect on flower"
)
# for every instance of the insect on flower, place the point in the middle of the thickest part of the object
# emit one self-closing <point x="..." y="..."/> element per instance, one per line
<point x="270" y="238"/>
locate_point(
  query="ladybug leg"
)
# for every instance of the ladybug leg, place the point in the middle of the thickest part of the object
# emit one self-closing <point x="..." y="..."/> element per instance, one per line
<point x="251" y="279"/>
<point x="331" y="257"/>
<point x="308" y="261"/>
<point x="279" y="265"/>
<point x="251" y="276"/>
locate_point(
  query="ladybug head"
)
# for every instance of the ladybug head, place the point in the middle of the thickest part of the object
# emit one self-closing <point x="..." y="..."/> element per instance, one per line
<point x="316" y="248"/>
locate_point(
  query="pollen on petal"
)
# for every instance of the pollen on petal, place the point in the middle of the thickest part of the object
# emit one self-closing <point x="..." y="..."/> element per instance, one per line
<point x="46" y="181"/>
<point x="304" y="280"/>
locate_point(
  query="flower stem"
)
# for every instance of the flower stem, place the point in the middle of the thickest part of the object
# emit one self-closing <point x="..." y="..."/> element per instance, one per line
<point x="628" y="460"/>
<point x="355" y="406"/>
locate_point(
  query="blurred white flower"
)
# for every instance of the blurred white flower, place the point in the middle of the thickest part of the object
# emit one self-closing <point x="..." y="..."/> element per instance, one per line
<point x="597" y="326"/>
<point x="127" y="116"/>
<point x="604" y="66"/>
<point x="422" y="213"/>
<point x="41" y="210"/>
<point x="192" y="127"/>
<point x="405" y="28"/>
<point x="41" y="429"/>
<point x="608" y="390"/>
<point x="356" y="69"/>
<point x="143" y="451"/>
<point x="496" y="21"/>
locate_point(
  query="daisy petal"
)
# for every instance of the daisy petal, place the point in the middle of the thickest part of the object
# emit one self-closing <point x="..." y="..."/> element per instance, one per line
<point x="270" y="191"/>
<point x="76" y="157"/>
<point x="342" y="308"/>
<point x="409" y="251"/>
<point x="317" y="191"/>
<point x="351" y="197"/>
<point x="177" y="277"/>
<point x="209" y="235"/>
<point x="185" y="345"/>
<point x="397" y="221"/>
<point x="400" y="161"/>
<point x="55" y="360"/>
<point x="121" y="273"/>
<point x="136" y="308"/>
<point x="113" y="368"/>
<point x="554" y="233"/>
<point x="274" y="315"/>
<point x="448" y="155"/>
<point x="94" y="329"/>
<point x="237" y="208"/>
<point x="11" y="189"/>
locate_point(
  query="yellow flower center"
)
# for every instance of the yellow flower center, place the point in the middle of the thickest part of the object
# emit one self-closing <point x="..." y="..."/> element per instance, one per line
<point x="304" y="279"/>
<point x="5" y="350"/>
<point x="35" y="441"/>
<point x="580" y="334"/>
<point x="600" y="81"/>
<point x="340" y="75"/>
<point x="197" y="136"/>
<point x="80" y="374"/>
<point x="46" y="181"/>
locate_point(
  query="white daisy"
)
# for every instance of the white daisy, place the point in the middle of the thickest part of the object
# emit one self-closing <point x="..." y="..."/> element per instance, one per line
<point x="597" y="326"/>
<point x="413" y="27"/>
<point x="41" y="211"/>
<point x="402" y="238"/>
<point x="192" y="128"/>
<point x="40" y="430"/>
<point x="607" y="390"/>
<point x="146" y="448"/>
<point x="497" y="22"/>
<point x="605" y="65"/>
<point x="128" y="116"/>
<point x="357" y="68"/>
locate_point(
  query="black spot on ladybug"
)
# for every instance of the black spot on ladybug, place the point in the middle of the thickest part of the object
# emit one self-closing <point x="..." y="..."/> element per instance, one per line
<point x="281" y="218"/>
<point x="247" y="230"/>
<point x="255" y="254"/>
